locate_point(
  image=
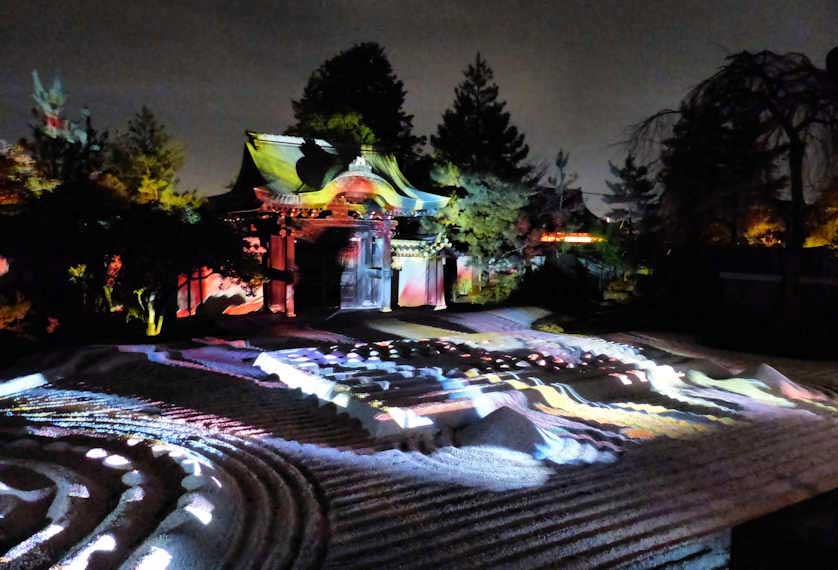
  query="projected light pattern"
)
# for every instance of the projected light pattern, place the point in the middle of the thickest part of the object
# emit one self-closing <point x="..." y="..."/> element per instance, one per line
<point x="384" y="386"/>
<point x="279" y="159"/>
<point x="144" y="456"/>
<point x="73" y="491"/>
<point x="217" y="294"/>
<point x="413" y="281"/>
<point x="586" y="399"/>
<point x="83" y="488"/>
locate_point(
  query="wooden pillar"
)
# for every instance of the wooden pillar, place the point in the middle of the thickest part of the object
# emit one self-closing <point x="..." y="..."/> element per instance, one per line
<point x="439" y="282"/>
<point x="276" y="301"/>
<point x="385" y="289"/>
<point x="200" y="287"/>
<point x="291" y="266"/>
<point x="189" y="293"/>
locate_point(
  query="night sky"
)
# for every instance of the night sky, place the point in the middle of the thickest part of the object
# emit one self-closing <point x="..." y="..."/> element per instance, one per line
<point x="575" y="74"/>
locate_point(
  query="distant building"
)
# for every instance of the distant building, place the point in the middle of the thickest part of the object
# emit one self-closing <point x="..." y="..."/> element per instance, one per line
<point x="327" y="228"/>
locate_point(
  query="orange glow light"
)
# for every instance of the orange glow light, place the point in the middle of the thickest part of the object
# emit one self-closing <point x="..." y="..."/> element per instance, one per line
<point x="568" y="237"/>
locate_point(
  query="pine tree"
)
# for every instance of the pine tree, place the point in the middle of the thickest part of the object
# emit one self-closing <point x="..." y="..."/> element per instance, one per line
<point x="476" y="134"/>
<point x="483" y="220"/>
<point x="145" y="160"/>
<point x="556" y="202"/>
<point x="146" y="150"/>
<point x="359" y="83"/>
<point x="633" y="191"/>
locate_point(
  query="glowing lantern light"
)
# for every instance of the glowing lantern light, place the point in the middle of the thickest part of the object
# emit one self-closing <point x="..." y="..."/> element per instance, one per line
<point x="570" y="237"/>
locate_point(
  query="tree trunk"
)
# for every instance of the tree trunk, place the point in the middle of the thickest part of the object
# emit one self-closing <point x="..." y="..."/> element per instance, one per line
<point x="794" y="247"/>
<point x="796" y="153"/>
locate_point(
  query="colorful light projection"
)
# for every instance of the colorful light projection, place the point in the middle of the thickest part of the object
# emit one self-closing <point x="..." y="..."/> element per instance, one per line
<point x="219" y="294"/>
<point x="280" y="160"/>
<point x="186" y="502"/>
<point x="387" y="388"/>
<point x="413" y="284"/>
<point x="466" y="277"/>
<point x="141" y="484"/>
<point x="420" y="281"/>
<point x="21" y="384"/>
<point x="587" y="398"/>
<point x="420" y="271"/>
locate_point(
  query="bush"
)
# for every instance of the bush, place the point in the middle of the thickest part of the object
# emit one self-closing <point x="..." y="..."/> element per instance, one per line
<point x="562" y="285"/>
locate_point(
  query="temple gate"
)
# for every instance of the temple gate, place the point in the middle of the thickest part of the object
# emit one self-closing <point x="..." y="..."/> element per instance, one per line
<point x="299" y="197"/>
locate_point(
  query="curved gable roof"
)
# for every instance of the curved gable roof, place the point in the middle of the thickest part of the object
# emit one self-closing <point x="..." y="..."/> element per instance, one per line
<point x="311" y="173"/>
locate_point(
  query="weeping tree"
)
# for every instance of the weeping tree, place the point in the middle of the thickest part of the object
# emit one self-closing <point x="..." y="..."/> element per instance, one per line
<point x="794" y="102"/>
<point x="795" y="106"/>
<point x="716" y="173"/>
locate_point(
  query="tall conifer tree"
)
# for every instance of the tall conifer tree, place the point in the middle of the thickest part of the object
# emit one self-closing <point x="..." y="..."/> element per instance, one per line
<point x="475" y="134"/>
<point x="633" y="191"/>
<point x="359" y="85"/>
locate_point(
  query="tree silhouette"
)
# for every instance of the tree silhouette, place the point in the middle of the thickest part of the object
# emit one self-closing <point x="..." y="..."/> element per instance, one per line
<point x="475" y="134"/>
<point x="715" y="172"/>
<point x="633" y="190"/>
<point x="556" y="203"/>
<point x="357" y="86"/>
<point x="795" y="107"/>
<point x="145" y="150"/>
<point x="86" y="254"/>
<point x="794" y="103"/>
<point x="64" y="150"/>
<point x="143" y="163"/>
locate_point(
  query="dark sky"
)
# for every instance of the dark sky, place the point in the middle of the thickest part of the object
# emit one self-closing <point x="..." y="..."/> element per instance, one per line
<point x="575" y="74"/>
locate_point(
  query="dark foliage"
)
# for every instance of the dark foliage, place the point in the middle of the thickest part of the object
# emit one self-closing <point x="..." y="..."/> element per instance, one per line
<point x="562" y="285"/>
<point x="791" y="105"/>
<point x="632" y="191"/>
<point x="357" y="87"/>
<point x="63" y="245"/>
<point x="714" y="170"/>
<point x="475" y="134"/>
<point x="556" y="203"/>
<point x="69" y="160"/>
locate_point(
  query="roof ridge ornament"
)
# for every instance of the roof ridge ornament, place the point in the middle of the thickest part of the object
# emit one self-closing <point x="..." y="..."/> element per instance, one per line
<point x="360" y="164"/>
